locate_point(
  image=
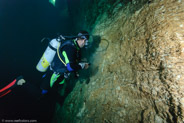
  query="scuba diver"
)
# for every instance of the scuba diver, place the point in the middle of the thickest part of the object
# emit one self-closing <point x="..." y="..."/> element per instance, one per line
<point x="67" y="57"/>
<point x="62" y="56"/>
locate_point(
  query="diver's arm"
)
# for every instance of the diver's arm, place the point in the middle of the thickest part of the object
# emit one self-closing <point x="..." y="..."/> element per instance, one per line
<point x="7" y="89"/>
<point x="70" y="58"/>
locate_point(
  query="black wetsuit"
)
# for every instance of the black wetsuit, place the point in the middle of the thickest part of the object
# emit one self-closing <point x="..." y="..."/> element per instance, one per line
<point x="69" y="52"/>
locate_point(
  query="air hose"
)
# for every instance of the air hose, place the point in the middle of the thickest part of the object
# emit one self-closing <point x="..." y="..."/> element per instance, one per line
<point x="60" y="56"/>
<point x="105" y="47"/>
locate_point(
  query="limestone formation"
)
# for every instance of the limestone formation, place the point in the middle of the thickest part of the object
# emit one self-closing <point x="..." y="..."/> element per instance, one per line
<point x="139" y="77"/>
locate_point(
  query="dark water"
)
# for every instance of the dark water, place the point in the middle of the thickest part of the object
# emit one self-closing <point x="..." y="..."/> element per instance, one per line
<point x="23" y="23"/>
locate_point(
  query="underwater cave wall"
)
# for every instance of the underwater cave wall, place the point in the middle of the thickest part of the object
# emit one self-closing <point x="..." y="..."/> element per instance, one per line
<point x="137" y="69"/>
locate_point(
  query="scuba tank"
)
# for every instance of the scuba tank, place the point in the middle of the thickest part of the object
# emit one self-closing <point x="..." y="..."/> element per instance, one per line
<point x="48" y="55"/>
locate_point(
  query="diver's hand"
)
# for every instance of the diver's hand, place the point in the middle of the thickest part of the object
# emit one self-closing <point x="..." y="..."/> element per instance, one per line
<point x="21" y="82"/>
<point x="86" y="66"/>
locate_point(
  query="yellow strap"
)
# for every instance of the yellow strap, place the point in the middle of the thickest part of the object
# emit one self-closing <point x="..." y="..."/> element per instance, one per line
<point x="59" y="55"/>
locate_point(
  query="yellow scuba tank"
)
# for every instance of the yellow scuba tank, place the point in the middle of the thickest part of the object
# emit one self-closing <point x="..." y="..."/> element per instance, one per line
<point x="48" y="55"/>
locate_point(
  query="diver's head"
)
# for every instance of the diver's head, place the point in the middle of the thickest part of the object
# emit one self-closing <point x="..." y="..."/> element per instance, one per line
<point x="82" y="38"/>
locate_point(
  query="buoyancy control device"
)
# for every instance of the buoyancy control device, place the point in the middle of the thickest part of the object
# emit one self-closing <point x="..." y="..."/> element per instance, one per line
<point x="50" y="52"/>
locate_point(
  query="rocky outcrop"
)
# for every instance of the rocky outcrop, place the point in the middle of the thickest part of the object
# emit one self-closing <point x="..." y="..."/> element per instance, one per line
<point x="138" y="77"/>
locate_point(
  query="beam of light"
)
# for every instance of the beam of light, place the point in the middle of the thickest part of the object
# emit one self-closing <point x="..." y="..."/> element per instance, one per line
<point x="52" y="2"/>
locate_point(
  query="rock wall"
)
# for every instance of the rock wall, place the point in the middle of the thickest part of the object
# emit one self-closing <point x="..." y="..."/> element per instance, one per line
<point x="137" y="69"/>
